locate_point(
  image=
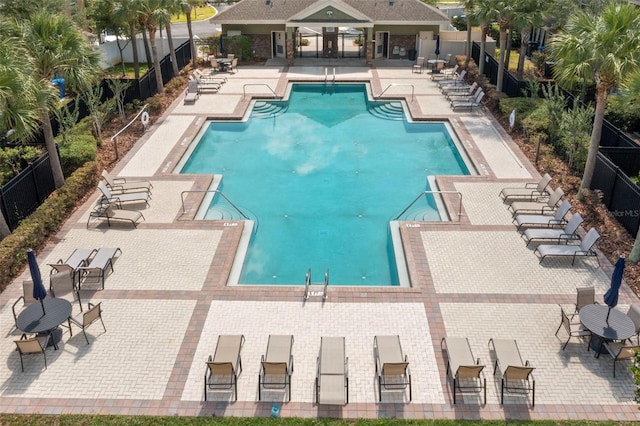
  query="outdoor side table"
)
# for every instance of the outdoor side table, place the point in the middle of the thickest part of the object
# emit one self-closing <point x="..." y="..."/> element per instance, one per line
<point x="32" y="320"/>
<point x="617" y="327"/>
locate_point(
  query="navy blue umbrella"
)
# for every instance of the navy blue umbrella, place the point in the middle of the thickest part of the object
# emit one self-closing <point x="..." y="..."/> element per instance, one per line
<point x="437" y="52"/>
<point x="611" y="296"/>
<point x="39" y="292"/>
<point x="221" y="45"/>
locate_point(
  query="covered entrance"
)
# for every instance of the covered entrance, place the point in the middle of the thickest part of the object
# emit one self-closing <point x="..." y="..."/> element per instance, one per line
<point x="329" y="42"/>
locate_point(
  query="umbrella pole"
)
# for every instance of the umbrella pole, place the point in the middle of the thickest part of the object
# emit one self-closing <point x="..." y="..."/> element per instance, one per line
<point x="607" y="319"/>
<point x="42" y="304"/>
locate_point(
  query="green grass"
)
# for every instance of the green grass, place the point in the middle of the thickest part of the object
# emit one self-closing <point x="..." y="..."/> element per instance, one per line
<point x="87" y="420"/>
<point x="116" y="70"/>
<point x="198" y="14"/>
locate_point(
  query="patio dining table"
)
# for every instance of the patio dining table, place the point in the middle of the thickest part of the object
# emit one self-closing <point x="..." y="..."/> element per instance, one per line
<point x="606" y="324"/>
<point x="33" y="320"/>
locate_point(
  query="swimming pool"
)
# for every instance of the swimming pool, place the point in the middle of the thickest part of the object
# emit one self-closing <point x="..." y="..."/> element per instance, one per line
<point x="322" y="175"/>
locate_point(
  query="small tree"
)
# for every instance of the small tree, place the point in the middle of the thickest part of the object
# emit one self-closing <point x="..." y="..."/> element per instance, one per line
<point x="575" y="130"/>
<point x="119" y="89"/>
<point x="554" y="104"/>
<point x="98" y="111"/>
<point x="66" y="119"/>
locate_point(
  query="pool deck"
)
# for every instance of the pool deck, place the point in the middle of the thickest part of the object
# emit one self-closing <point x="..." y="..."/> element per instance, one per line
<point x="167" y="301"/>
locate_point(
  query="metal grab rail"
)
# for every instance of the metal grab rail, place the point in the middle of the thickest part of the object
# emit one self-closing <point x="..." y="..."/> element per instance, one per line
<point x="434" y="192"/>
<point x="308" y="284"/>
<point x="244" y="87"/>
<point x="214" y="191"/>
<point x="114" y="137"/>
<point x="396" y="85"/>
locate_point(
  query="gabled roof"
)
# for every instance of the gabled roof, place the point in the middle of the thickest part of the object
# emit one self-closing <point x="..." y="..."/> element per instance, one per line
<point x="376" y="11"/>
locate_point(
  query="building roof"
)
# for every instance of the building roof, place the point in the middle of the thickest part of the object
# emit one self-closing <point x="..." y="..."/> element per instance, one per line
<point x="376" y="11"/>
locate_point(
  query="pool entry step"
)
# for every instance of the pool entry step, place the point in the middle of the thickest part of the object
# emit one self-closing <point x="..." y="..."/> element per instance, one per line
<point x="318" y="289"/>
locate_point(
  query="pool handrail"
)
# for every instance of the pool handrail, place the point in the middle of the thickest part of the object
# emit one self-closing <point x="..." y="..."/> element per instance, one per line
<point x="244" y="87"/>
<point x="396" y="85"/>
<point x="433" y="192"/>
<point x="214" y="191"/>
<point x="308" y="284"/>
<point x="114" y="138"/>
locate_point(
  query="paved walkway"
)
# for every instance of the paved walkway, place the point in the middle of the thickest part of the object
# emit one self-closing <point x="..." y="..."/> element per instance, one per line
<point x="167" y="300"/>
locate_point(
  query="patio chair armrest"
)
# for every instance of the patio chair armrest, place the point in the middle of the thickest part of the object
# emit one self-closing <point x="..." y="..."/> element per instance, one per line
<point x="290" y="366"/>
<point x="15" y="316"/>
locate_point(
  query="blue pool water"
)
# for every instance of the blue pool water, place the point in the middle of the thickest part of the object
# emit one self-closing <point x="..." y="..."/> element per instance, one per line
<point x="322" y="181"/>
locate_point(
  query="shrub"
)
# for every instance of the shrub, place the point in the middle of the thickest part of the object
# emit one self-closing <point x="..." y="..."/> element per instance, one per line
<point x="155" y="104"/>
<point x="34" y="231"/>
<point x="523" y="107"/>
<point x="81" y="146"/>
<point x="175" y="85"/>
<point x="240" y="46"/>
<point x="14" y="160"/>
<point x="304" y="42"/>
<point x="623" y="113"/>
<point x="537" y="122"/>
<point x="575" y="134"/>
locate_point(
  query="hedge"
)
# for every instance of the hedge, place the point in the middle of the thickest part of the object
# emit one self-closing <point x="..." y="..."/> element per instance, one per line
<point x="35" y="230"/>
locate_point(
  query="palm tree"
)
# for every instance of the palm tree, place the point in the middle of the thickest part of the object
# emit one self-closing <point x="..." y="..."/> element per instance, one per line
<point x="484" y="14"/>
<point x="603" y="48"/>
<point x="150" y="13"/>
<point x="468" y="8"/>
<point x="528" y="16"/>
<point x="187" y="8"/>
<point x="505" y="11"/>
<point x="170" y="7"/>
<point x="126" y="12"/>
<point x="56" y="47"/>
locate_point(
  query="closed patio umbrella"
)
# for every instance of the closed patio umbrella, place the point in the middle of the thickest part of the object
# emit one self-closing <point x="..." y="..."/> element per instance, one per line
<point x="39" y="292"/>
<point x="611" y="296"/>
<point x="437" y="52"/>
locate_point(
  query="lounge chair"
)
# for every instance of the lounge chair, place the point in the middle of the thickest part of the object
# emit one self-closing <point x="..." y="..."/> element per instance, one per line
<point x="573" y="329"/>
<point x="392" y="366"/>
<point x="332" y="376"/>
<point x="225" y="366"/>
<point x="517" y="376"/>
<point x="118" y="185"/>
<point x="135" y="197"/>
<point x="454" y="80"/>
<point x="99" y="265"/>
<point x="544" y="220"/>
<point x="470" y="103"/>
<point x="555" y="236"/>
<point x="545" y="205"/>
<point x="84" y="320"/>
<point x="79" y="257"/>
<point x="276" y="365"/>
<point x="192" y="92"/>
<point x="110" y="212"/>
<point x="465" y="371"/>
<point x="447" y="74"/>
<point x="419" y="65"/>
<point x="584" y="249"/>
<point x="460" y="92"/>
<point x="528" y="192"/>
<point x="620" y="351"/>
<point x="205" y="83"/>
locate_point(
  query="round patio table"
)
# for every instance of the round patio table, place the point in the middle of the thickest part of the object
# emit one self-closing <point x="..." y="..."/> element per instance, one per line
<point x="32" y="319"/>
<point x="617" y="327"/>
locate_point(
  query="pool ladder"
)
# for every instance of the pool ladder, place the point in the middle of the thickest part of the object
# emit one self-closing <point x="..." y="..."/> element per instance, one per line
<point x="326" y="76"/>
<point x="308" y="292"/>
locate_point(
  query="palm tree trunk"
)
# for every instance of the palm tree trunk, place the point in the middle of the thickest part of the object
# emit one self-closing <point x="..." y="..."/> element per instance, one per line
<point x="501" y="56"/>
<point x="147" y="51"/>
<point x="601" y="104"/>
<point x="634" y="255"/>
<point x="172" y="51"/>
<point x="156" y="61"/>
<point x="194" y="51"/>
<point x="134" y="49"/>
<point x="5" y="231"/>
<point x="507" y="50"/>
<point x="483" y="45"/>
<point x="56" y="167"/>
<point x="468" y="45"/>
<point x="524" y="39"/>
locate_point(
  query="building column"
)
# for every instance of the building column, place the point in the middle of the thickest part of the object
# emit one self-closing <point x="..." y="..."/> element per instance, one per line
<point x="290" y="46"/>
<point x="370" y="47"/>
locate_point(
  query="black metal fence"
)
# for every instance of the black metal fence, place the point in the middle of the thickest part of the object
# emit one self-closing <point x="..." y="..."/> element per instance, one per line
<point x="25" y="192"/>
<point x="22" y="195"/>
<point x="620" y="194"/>
<point x="511" y="86"/>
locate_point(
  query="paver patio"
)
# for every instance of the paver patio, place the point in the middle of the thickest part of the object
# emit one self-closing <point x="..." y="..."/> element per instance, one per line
<point x="167" y="300"/>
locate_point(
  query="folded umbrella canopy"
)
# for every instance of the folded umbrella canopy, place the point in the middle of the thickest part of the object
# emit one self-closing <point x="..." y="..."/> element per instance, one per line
<point x="39" y="292"/>
<point x="437" y="52"/>
<point x="611" y="296"/>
